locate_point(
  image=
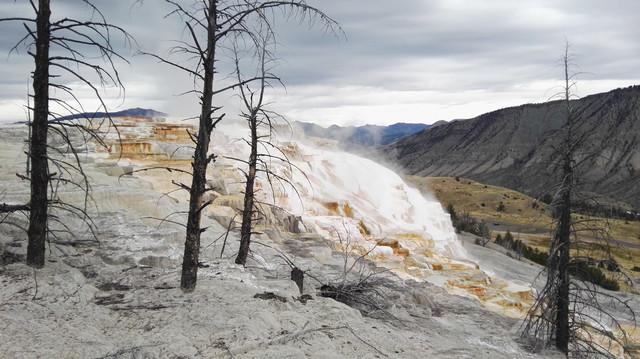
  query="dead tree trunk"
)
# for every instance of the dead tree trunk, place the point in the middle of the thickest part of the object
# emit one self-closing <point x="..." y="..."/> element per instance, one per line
<point x="568" y="311"/>
<point x="219" y="19"/>
<point x="563" y="232"/>
<point x="201" y="159"/>
<point x="39" y="160"/>
<point x="254" y="109"/>
<point x="563" y="241"/>
<point x="62" y="51"/>
<point x="247" y="212"/>
<point x="258" y="117"/>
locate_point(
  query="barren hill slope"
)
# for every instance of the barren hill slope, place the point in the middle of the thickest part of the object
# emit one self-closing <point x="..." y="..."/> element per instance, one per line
<point x="511" y="147"/>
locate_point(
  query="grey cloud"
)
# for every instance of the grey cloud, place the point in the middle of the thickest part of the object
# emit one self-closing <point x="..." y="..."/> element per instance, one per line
<point x="495" y="53"/>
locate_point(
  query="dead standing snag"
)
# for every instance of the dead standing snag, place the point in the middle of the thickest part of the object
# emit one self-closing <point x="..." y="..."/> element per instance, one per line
<point x="63" y="50"/>
<point x="208" y="25"/>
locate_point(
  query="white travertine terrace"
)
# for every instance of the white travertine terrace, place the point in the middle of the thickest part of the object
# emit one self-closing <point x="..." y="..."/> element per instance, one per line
<point x="335" y="194"/>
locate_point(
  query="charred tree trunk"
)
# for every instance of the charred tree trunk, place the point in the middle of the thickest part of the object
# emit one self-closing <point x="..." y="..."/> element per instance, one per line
<point x="568" y="312"/>
<point x="218" y="22"/>
<point x="62" y="50"/>
<point x="564" y="246"/>
<point x="254" y="109"/>
<point x="201" y="159"/>
<point x="39" y="161"/>
<point x="563" y="232"/>
<point x="247" y="212"/>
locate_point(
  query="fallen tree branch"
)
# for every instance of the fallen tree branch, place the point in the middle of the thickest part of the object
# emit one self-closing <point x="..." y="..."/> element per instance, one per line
<point x="10" y="208"/>
<point x="140" y="307"/>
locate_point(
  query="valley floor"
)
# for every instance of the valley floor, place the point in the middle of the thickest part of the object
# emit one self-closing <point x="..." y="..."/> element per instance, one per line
<point x="530" y="220"/>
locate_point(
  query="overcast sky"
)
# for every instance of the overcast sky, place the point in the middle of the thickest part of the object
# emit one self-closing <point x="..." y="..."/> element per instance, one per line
<point x="401" y="61"/>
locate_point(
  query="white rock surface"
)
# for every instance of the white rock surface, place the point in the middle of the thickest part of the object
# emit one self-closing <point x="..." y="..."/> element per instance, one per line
<point x="119" y="299"/>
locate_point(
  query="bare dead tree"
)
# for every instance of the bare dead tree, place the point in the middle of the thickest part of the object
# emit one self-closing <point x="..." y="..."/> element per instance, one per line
<point x="253" y="102"/>
<point x="63" y="50"/>
<point x="264" y="153"/>
<point x="570" y="312"/>
<point x="209" y="24"/>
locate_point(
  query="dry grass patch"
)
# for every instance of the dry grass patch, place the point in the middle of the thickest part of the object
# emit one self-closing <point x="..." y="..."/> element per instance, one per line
<point x="527" y="218"/>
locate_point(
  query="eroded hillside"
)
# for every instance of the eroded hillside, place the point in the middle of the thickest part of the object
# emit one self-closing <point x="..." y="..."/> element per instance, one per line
<point x="513" y="147"/>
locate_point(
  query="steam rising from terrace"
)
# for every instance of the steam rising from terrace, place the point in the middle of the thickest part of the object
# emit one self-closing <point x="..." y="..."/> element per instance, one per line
<point x="336" y="195"/>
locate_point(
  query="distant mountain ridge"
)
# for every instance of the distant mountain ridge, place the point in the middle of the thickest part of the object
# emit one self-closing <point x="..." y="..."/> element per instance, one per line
<point x="362" y="136"/>
<point x="511" y="147"/>
<point x="131" y="112"/>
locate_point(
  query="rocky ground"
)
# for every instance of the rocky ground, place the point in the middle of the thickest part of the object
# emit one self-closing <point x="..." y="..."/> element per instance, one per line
<point x="89" y="302"/>
<point x="118" y="298"/>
